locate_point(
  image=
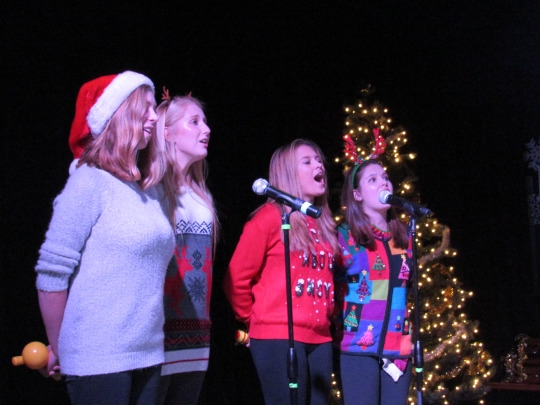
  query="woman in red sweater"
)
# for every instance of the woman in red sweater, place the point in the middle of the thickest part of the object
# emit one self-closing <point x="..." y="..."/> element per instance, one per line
<point x="255" y="283"/>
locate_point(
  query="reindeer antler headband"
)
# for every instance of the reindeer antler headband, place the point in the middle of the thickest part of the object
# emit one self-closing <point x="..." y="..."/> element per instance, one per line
<point x="351" y="152"/>
<point x="166" y="97"/>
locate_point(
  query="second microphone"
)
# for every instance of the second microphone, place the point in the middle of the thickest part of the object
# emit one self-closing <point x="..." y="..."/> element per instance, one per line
<point x="261" y="187"/>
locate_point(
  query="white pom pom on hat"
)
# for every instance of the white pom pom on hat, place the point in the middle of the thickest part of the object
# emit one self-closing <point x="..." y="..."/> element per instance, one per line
<point x="97" y="101"/>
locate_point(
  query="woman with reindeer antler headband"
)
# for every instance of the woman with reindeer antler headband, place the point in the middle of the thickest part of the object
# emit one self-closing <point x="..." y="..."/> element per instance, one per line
<point x="374" y="336"/>
<point x="184" y="134"/>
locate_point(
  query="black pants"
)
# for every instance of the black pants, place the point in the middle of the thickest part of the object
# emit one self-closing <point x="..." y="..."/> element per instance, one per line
<point x="133" y="387"/>
<point x="314" y="371"/>
<point x="364" y="382"/>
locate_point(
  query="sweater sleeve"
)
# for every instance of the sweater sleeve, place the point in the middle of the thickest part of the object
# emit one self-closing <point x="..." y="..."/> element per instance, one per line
<point x="75" y="211"/>
<point x="248" y="260"/>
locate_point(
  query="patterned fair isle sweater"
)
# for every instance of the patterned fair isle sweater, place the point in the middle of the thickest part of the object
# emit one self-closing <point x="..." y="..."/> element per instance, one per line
<point x="108" y="243"/>
<point x="255" y="284"/>
<point x="188" y="287"/>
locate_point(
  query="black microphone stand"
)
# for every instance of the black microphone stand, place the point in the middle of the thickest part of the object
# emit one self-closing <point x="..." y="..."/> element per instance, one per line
<point x="418" y="351"/>
<point x="292" y="360"/>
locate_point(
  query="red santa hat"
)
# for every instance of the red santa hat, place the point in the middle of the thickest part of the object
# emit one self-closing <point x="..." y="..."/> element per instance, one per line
<point x="96" y="103"/>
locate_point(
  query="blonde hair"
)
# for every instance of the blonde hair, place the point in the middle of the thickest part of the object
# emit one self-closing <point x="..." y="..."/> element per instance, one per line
<point x="116" y="148"/>
<point x="283" y="174"/>
<point x="169" y="112"/>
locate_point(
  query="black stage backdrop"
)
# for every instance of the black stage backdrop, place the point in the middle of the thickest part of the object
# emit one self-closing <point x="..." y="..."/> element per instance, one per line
<point x="462" y="78"/>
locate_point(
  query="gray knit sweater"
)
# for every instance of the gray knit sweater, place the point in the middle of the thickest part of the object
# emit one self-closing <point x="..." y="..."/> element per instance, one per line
<point x="108" y="243"/>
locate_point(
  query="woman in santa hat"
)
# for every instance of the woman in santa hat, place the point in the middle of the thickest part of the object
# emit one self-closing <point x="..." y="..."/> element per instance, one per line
<point x="101" y="269"/>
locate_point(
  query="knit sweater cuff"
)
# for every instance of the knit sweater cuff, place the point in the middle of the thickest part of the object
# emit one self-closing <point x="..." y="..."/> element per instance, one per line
<point x="54" y="267"/>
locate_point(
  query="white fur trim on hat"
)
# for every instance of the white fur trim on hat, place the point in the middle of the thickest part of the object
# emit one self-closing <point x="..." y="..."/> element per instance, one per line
<point x="73" y="166"/>
<point x="112" y="97"/>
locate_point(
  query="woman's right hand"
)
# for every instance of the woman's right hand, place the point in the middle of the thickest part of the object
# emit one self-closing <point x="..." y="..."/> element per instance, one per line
<point x="53" y="366"/>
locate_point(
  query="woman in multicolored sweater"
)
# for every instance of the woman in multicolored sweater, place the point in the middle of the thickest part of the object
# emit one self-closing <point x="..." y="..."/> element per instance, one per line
<point x="374" y="342"/>
<point x="182" y="129"/>
<point x="255" y="284"/>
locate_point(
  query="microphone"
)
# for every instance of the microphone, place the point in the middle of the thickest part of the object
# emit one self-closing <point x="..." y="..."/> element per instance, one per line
<point x="261" y="187"/>
<point x="386" y="197"/>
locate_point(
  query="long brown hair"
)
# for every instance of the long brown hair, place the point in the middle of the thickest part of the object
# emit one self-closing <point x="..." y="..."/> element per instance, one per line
<point x="283" y="174"/>
<point x="116" y="148"/>
<point x="357" y="219"/>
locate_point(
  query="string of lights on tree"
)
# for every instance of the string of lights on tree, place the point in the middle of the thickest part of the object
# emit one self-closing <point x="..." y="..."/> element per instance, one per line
<point x="456" y="365"/>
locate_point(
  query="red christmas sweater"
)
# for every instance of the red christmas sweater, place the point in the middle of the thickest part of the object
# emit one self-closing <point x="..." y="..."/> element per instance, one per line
<point x="255" y="283"/>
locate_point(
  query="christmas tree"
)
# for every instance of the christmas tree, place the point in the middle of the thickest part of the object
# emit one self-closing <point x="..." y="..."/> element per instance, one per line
<point x="456" y="365"/>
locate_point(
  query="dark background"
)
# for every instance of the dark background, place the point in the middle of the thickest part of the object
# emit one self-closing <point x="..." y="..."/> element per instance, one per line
<point x="462" y="78"/>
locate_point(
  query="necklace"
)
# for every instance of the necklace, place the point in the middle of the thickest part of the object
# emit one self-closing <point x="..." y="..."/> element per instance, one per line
<point x="380" y="233"/>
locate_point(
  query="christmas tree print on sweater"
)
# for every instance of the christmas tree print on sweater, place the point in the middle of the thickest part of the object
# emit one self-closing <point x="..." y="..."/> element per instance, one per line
<point x="404" y="271"/>
<point x="363" y="288"/>
<point x="366" y="340"/>
<point x="351" y="321"/>
<point x="379" y="266"/>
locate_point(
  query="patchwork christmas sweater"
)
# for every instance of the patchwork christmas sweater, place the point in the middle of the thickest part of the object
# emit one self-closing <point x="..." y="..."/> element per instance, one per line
<point x="188" y="287"/>
<point x="255" y="283"/>
<point x="372" y="291"/>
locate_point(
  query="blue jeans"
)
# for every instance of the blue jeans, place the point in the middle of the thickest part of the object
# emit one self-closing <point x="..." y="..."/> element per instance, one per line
<point x="133" y="387"/>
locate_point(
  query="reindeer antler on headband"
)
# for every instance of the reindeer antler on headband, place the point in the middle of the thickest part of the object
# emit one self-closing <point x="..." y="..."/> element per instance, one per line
<point x="165" y="95"/>
<point x="380" y="144"/>
<point x="351" y="151"/>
